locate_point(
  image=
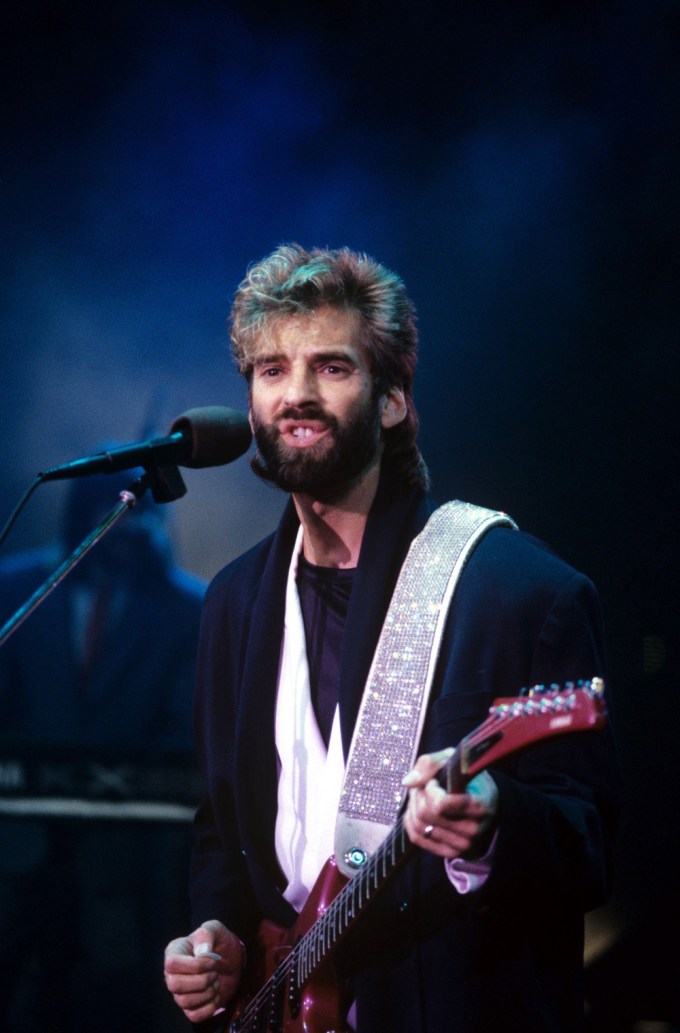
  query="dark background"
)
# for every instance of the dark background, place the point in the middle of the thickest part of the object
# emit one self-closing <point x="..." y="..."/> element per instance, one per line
<point x="517" y="163"/>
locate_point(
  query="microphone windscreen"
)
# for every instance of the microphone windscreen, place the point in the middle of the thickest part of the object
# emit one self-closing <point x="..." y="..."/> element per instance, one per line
<point x="215" y="435"/>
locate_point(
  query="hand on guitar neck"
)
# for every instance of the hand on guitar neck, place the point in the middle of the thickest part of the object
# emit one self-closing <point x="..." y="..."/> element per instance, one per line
<point x="447" y="824"/>
<point x="203" y="971"/>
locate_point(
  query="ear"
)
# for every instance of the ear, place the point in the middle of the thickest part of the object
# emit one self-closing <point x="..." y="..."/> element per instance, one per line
<point x="250" y="418"/>
<point x="392" y="408"/>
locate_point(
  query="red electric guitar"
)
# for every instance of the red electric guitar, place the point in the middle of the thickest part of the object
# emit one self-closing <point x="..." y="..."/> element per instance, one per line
<point x="292" y="986"/>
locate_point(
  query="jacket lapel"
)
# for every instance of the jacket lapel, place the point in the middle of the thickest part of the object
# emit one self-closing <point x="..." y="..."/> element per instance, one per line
<point x="255" y="759"/>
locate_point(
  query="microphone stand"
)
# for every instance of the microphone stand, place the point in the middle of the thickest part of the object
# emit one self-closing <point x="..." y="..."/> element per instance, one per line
<point x="166" y="485"/>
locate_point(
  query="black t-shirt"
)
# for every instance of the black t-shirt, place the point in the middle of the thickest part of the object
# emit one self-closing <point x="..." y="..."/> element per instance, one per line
<point x="324" y="598"/>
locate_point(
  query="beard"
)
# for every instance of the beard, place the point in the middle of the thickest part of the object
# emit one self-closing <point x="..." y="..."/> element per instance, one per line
<point x="325" y="471"/>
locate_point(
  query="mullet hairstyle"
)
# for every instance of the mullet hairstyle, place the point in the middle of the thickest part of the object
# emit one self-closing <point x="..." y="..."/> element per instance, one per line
<point x="293" y="281"/>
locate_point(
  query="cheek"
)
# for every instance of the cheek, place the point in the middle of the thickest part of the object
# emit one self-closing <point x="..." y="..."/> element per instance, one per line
<point x="347" y="401"/>
<point x="261" y="404"/>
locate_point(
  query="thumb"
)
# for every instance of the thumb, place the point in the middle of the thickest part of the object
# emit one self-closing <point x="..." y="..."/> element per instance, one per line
<point x="203" y="940"/>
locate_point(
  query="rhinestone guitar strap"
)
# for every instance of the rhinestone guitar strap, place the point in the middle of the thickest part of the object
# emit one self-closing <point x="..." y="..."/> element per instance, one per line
<point x="394" y="703"/>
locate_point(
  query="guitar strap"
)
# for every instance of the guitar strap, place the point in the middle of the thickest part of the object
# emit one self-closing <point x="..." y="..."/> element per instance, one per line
<point x="394" y="703"/>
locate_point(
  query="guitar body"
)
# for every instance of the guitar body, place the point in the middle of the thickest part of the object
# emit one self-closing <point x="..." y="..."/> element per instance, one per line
<point x="320" y="1005"/>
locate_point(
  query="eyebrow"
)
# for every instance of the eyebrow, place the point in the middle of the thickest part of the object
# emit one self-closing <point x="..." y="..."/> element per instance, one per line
<point x="321" y="355"/>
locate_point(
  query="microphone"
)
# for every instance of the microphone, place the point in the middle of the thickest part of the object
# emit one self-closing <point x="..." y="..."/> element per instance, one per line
<point x="211" y="436"/>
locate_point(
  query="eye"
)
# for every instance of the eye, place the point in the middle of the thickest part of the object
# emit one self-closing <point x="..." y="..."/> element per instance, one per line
<point x="334" y="369"/>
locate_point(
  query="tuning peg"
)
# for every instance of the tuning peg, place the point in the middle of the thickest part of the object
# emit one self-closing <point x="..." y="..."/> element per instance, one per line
<point x="597" y="686"/>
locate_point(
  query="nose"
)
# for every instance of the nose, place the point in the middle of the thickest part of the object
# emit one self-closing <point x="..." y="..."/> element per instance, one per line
<point x="301" y="385"/>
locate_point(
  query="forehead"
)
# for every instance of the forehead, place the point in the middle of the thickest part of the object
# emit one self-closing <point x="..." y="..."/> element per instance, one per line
<point x="326" y="328"/>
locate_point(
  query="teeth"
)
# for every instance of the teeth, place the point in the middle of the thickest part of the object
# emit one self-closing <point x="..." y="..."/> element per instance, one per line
<point x="303" y="432"/>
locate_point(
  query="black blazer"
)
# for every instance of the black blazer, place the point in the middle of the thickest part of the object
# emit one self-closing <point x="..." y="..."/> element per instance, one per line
<point x="427" y="959"/>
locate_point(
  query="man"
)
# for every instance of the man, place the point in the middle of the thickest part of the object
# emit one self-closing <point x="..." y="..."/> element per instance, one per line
<point x="482" y="929"/>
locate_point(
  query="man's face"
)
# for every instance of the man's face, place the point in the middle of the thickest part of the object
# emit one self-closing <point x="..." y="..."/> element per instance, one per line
<point x="316" y="423"/>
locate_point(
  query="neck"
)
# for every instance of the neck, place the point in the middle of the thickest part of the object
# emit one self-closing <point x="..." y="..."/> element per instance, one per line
<point x="333" y="532"/>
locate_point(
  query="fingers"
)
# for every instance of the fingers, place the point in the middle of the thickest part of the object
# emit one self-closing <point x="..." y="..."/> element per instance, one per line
<point x="199" y="996"/>
<point x="181" y="946"/>
<point x="179" y="955"/>
<point x="448" y="825"/>
<point x="426" y="767"/>
<point x="442" y="836"/>
<point x="203" y="970"/>
<point x="193" y="981"/>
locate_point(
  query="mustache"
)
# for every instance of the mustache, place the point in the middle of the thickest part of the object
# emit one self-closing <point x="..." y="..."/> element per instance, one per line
<point x="308" y="412"/>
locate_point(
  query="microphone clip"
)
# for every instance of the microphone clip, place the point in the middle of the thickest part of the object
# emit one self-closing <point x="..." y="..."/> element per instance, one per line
<point x="165" y="482"/>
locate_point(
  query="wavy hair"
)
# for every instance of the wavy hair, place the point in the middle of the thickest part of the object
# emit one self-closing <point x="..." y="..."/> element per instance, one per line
<point x="293" y="281"/>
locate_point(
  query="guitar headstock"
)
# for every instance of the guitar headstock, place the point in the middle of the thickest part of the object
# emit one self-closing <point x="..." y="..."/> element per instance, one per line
<point x="538" y="713"/>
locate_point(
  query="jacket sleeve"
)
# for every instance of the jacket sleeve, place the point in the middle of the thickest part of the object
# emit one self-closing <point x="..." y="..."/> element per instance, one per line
<point x="220" y="888"/>
<point x="557" y="812"/>
<point x="522" y="617"/>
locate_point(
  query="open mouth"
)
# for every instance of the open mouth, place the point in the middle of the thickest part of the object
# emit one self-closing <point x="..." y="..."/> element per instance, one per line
<point x="301" y="435"/>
